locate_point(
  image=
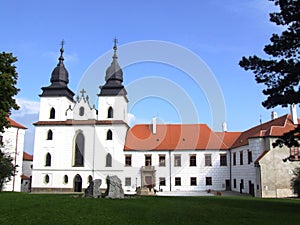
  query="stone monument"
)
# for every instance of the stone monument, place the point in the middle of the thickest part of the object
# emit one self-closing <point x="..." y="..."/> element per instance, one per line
<point x="93" y="190"/>
<point x="114" y="187"/>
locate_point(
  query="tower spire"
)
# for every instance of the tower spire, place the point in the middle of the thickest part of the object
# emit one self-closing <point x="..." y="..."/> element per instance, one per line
<point x="61" y="58"/>
<point x="115" y="48"/>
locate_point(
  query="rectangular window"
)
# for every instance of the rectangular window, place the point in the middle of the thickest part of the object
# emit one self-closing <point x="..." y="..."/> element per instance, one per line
<point x="192" y="160"/>
<point x="177" y="181"/>
<point x="241" y="157"/>
<point x="177" y="160"/>
<point x="162" y="160"/>
<point x="234" y="158"/>
<point x="127" y="160"/>
<point x="234" y="183"/>
<point x="208" y="160"/>
<point x="208" y="181"/>
<point x="193" y="181"/>
<point x="162" y="181"/>
<point x="1" y="140"/>
<point x="148" y="160"/>
<point x="127" y="181"/>
<point x="223" y="160"/>
<point x="249" y="157"/>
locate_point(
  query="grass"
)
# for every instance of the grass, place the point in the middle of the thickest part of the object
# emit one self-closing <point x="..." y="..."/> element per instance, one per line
<point x="21" y="208"/>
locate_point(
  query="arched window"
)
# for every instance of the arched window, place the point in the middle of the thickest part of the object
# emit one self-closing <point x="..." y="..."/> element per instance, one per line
<point x="90" y="179"/>
<point x="48" y="159"/>
<point x="110" y="112"/>
<point x="108" y="160"/>
<point x="66" y="179"/>
<point x="49" y="135"/>
<point x="79" y="150"/>
<point x="46" y="179"/>
<point x="109" y="135"/>
<point x="52" y="113"/>
<point x="81" y="111"/>
<point x="77" y="183"/>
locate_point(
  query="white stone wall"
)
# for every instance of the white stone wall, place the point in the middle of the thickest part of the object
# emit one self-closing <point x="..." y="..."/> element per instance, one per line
<point x="60" y="104"/>
<point x="277" y="174"/>
<point x="119" y="105"/>
<point x="13" y="144"/>
<point x="218" y="173"/>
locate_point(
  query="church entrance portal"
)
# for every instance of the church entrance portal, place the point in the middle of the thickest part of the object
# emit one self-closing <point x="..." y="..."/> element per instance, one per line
<point x="77" y="183"/>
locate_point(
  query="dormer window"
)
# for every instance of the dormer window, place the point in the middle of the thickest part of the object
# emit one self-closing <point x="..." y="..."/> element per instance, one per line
<point x="81" y="111"/>
<point x="110" y="112"/>
<point x="52" y="113"/>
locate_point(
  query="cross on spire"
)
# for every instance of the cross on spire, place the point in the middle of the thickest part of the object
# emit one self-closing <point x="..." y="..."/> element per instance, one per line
<point x="82" y="92"/>
<point x="61" y="58"/>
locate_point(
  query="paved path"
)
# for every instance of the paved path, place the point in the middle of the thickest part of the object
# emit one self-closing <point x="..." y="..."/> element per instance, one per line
<point x="199" y="193"/>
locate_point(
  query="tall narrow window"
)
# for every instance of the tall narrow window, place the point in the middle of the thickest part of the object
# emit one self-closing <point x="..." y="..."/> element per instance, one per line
<point x="127" y="160"/>
<point x="192" y="160"/>
<point x="52" y="113"/>
<point x="162" y="160"/>
<point x="66" y="179"/>
<point x="223" y="160"/>
<point x="81" y="111"/>
<point x="208" y="160"/>
<point x="48" y="159"/>
<point x="234" y="158"/>
<point x="241" y="158"/>
<point x="46" y="179"/>
<point x="79" y="150"/>
<point x="177" y="160"/>
<point x="110" y="112"/>
<point x="249" y="157"/>
<point x="108" y="160"/>
<point x="49" y="135"/>
<point x="109" y="135"/>
<point x="148" y="160"/>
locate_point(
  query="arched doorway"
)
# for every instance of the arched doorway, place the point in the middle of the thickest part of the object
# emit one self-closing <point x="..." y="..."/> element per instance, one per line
<point x="77" y="183"/>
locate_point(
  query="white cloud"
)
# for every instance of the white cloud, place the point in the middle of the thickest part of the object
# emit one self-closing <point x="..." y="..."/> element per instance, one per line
<point x="27" y="107"/>
<point x="131" y="119"/>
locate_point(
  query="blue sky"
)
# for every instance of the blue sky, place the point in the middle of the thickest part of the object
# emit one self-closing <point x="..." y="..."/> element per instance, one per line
<point x="218" y="32"/>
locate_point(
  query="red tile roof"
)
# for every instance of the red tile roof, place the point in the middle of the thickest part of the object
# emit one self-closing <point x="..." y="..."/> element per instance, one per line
<point x="27" y="157"/>
<point x="15" y="124"/>
<point x="200" y="136"/>
<point x="178" y="137"/>
<point x="272" y="128"/>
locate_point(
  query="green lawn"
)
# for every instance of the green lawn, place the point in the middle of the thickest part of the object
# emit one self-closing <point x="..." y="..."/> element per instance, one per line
<point x="21" y="208"/>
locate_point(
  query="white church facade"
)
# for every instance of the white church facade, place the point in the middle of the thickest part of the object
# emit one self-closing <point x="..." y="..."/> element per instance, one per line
<point x="76" y="143"/>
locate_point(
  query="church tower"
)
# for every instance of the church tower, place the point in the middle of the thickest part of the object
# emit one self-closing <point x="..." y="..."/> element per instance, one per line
<point x="56" y="97"/>
<point x="112" y="99"/>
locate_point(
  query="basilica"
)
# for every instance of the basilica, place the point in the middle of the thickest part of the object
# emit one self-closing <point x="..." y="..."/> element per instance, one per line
<point x="76" y="142"/>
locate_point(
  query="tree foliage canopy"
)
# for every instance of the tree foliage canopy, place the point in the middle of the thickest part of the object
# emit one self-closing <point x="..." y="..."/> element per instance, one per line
<point x="8" y="89"/>
<point x="281" y="71"/>
<point x="295" y="182"/>
<point x="7" y="168"/>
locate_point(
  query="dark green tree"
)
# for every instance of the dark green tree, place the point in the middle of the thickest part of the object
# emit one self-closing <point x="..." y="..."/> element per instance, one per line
<point x="295" y="182"/>
<point x="8" y="89"/>
<point x="7" y="168"/>
<point x="281" y="71"/>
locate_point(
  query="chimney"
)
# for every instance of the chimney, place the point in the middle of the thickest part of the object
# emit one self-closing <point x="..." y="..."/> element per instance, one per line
<point x="274" y="115"/>
<point x="224" y="127"/>
<point x="154" y="125"/>
<point x="294" y="116"/>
